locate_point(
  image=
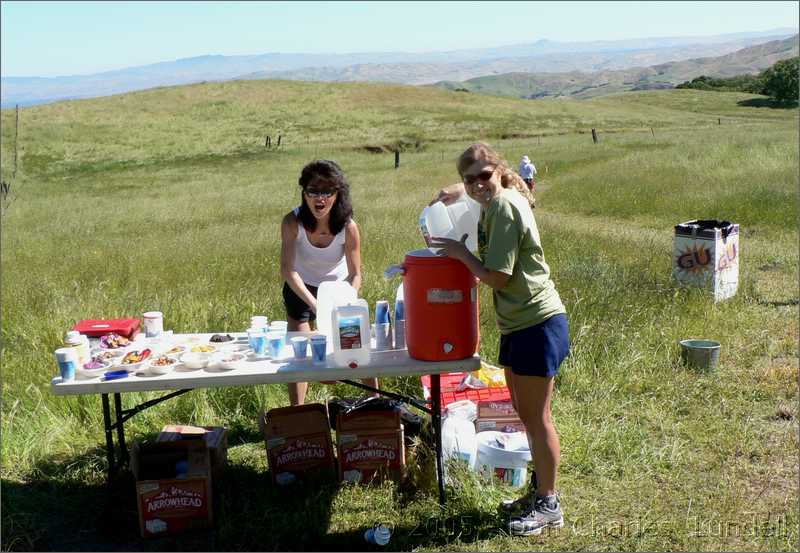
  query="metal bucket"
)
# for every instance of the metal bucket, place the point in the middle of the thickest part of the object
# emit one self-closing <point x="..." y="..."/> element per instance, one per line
<point x="701" y="354"/>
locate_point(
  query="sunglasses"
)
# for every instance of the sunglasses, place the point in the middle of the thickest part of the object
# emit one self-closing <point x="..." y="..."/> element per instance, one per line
<point x="483" y="176"/>
<point x="319" y="194"/>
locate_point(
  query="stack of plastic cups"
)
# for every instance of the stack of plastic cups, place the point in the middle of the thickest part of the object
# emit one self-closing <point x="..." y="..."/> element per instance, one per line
<point x="399" y="324"/>
<point x="281" y="328"/>
<point x="383" y="327"/>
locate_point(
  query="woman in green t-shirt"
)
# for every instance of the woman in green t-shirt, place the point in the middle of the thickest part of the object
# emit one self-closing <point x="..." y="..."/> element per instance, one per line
<point x="532" y="320"/>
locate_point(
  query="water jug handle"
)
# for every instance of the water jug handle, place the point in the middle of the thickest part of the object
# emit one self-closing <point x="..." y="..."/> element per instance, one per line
<point x="392" y="270"/>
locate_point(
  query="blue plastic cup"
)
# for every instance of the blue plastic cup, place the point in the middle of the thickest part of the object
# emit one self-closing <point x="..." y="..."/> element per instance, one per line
<point x="67" y="359"/>
<point x="259" y="343"/>
<point x="399" y="310"/>
<point x="275" y="341"/>
<point x="382" y="312"/>
<point x="300" y="347"/>
<point x="318" y="348"/>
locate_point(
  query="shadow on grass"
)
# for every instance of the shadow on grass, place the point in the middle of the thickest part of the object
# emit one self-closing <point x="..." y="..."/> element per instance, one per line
<point x="766" y="103"/>
<point x="67" y="505"/>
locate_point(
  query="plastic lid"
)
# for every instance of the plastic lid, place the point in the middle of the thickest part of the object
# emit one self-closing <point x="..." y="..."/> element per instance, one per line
<point x="427" y="257"/>
<point x="73" y="335"/>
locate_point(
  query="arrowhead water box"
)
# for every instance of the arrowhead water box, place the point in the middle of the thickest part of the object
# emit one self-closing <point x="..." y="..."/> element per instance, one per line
<point x="706" y="254"/>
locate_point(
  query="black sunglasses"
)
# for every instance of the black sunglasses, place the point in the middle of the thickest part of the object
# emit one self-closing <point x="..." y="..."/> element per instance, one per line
<point x="315" y="194"/>
<point x="483" y="176"/>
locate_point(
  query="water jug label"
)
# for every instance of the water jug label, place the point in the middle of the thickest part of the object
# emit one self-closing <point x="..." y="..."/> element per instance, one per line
<point x="441" y="295"/>
<point x="350" y="333"/>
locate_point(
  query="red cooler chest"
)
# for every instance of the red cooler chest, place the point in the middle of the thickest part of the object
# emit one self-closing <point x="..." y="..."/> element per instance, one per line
<point x="441" y="307"/>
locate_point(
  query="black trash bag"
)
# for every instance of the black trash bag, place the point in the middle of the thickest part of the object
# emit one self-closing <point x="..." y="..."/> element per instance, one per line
<point x="412" y="423"/>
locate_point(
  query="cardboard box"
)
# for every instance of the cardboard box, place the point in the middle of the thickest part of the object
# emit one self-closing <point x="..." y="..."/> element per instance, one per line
<point x="298" y="441"/>
<point x="706" y="254"/>
<point x="370" y="446"/>
<point x="215" y="437"/>
<point x="498" y="415"/>
<point x="170" y="503"/>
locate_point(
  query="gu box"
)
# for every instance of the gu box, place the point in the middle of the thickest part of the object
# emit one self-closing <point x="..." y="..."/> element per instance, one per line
<point x="215" y="438"/>
<point x="298" y="441"/>
<point x="370" y="446"/>
<point x="706" y="254"/>
<point x="173" y="486"/>
<point x="498" y="415"/>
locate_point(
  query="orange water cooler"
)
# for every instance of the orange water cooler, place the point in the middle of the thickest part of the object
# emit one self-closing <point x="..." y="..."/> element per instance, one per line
<point x="441" y="307"/>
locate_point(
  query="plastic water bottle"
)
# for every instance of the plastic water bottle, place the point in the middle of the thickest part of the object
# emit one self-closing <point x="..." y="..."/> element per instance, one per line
<point x="329" y="295"/>
<point x="458" y="439"/>
<point x="452" y="221"/>
<point x="351" y="336"/>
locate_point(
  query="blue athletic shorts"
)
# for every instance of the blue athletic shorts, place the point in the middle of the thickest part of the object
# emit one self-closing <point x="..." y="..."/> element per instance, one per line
<point x="537" y="350"/>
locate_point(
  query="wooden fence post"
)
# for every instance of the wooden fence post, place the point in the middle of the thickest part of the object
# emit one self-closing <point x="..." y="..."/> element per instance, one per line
<point x="396" y="159"/>
<point x="719" y="121"/>
<point x="16" y="139"/>
<point x="279" y="141"/>
<point x="652" y="131"/>
<point x="594" y="136"/>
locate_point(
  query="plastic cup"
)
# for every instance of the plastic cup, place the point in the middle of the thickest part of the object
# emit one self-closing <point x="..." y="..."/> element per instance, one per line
<point x="399" y="310"/>
<point x="153" y="324"/>
<point x="300" y="347"/>
<point x="67" y="359"/>
<point x="381" y="312"/>
<point x="259" y="321"/>
<point x="259" y="343"/>
<point x="383" y="336"/>
<point x="275" y="341"/>
<point x="252" y="331"/>
<point x="318" y="348"/>
<point x="278" y="326"/>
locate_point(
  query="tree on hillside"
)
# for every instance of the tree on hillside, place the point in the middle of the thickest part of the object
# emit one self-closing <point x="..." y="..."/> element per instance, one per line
<point x="781" y="80"/>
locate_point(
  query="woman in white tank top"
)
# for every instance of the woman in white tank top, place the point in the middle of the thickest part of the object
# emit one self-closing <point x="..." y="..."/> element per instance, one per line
<point x="319" y="242"/>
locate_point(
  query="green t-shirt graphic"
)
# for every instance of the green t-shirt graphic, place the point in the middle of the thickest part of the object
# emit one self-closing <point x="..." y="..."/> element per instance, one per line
<point x="508" y="241"/>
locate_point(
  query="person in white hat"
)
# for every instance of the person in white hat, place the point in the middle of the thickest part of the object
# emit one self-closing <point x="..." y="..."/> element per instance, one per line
<point x="527" y="170"/>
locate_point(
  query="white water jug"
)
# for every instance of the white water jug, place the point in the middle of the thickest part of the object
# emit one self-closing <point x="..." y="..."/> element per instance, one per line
<point x="329" y="295"/>
<point x="452" y="221"/>
<point x="458" y="439"/>
<point x="351" y="336"/>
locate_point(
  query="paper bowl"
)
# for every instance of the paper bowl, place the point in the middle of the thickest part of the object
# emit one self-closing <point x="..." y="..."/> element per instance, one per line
<point x="161" y="364"/>
<point x="112" y="356"/>
<point x="195" y="360"/>
<point x="99" y="366"/>
<point x="225" y="360"/>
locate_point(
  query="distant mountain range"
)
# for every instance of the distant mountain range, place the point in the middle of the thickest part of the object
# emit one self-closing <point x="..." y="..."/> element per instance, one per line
<point x="751" y="60"/>
<point x="399" y="67"/>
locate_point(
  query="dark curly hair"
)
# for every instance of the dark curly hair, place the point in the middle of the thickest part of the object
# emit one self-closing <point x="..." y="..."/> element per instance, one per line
<point x="329" y="172"/>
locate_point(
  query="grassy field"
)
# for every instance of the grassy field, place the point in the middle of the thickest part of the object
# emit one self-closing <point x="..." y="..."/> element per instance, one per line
<point x="167" y="199"/>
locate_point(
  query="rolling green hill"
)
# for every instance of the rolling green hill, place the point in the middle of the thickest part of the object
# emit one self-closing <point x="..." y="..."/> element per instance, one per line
<point x="576" y="84"/>
<point x="213" y="120"/>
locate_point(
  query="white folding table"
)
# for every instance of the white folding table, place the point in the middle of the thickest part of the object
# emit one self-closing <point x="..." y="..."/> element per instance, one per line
<point x="251" y="371"/>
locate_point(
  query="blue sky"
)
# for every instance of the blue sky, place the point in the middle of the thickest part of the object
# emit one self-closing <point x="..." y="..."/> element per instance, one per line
<point x="68" y="38"/>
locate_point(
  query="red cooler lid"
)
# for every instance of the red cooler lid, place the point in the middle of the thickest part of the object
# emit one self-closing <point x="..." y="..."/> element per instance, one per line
<point x="426" y="257"/>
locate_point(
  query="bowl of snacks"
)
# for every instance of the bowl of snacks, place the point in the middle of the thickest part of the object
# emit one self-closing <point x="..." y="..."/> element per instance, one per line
<point x="95" y="367"/>
<point x="195" y="359"/>
<point x="221" y="338"/>
<point x="114" y="341"/>
<point x="161" y="364"/>
<point x="201" y="348"/>
<point x="113" y="356"/>
<point x="175" y="350"/>
<point x="226" y="360"/>
<point x="134" y="358"/>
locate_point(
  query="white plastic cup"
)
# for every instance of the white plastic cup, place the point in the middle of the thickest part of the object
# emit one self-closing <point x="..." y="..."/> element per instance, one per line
<point x="67" y="359"/>
<point x="300" y="347"/>
<point x="383" y="336"/>
<point x="153" y="324"/>
<point x="399" y="334"/>
<point x="259" y="321"/>
<point x="319" y="344"/>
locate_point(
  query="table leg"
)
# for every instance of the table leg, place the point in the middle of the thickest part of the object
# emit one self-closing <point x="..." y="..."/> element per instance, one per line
<point x="124" y="457"/>
<point x="436" y="423"/>
<point x="112" y="465"/>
